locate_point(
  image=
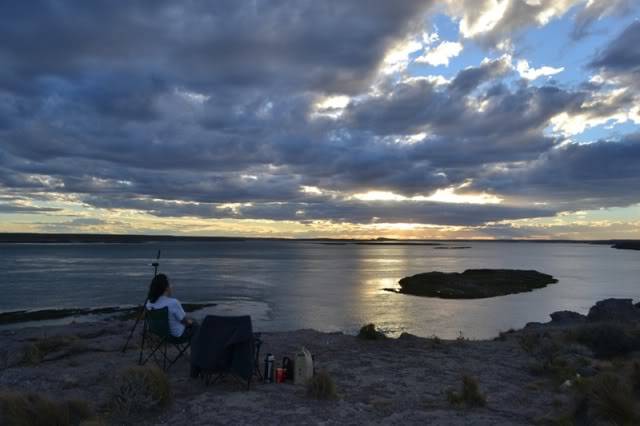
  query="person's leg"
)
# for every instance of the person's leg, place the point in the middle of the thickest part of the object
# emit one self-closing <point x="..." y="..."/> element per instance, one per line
<point x="191" y="330"/>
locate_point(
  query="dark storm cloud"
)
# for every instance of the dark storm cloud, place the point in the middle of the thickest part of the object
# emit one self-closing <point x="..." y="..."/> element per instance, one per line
<point x="411" y="106"/>
<point x="470" y="78"/>
<point x="500" y="125"/>
<point x="352" y="211"/>
<point x="620" y="59"/>
<point x="577" y="177"/>
<point x="178" y="109"/>
<point x="596" y="10"/>
<point x="330" y="45"/>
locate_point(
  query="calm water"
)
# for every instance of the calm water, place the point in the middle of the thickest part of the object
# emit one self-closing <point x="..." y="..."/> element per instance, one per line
<point x="292" y="285"/>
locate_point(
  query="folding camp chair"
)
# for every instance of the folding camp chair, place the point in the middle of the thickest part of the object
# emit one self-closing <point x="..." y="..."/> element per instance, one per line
<point x="156" y="323"/>
<point x="226" y="345"/>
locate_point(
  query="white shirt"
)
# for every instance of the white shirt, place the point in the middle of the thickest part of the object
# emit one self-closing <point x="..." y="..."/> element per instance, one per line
<point x="176" y="313"/>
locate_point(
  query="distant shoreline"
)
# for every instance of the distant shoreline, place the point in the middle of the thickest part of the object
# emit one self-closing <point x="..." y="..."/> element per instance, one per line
<point x="44" y="238"/>
<point x="47" y="314"/>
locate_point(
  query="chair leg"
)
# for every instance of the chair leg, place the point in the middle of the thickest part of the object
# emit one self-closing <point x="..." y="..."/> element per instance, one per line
<point x="256" y="367"/>
<point x="208" y="380"/>
<point x="164" y="358"/>
<point x="144" y="336"/>
<point x="153" y="351"/>
<point x="181" y="352"/>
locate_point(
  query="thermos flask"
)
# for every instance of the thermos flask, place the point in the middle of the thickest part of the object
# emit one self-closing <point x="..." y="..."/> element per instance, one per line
<point x="268" y="368"/>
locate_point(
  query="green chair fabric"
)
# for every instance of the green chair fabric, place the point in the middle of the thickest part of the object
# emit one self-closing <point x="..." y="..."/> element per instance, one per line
<point x="156" y="323"/>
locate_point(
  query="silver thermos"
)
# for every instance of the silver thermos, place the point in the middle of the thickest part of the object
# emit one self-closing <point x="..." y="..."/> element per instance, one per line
<point x="268" y="368"/>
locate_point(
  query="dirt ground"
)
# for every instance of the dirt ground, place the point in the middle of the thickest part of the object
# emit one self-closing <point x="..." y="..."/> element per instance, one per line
<point x="391" y="381"/>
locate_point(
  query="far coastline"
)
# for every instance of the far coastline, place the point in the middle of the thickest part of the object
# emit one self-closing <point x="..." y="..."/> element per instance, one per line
<point x="81" y="238"/>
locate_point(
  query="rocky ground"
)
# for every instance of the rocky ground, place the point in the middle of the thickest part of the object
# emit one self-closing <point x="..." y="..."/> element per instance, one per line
<point x="533" y="376"/>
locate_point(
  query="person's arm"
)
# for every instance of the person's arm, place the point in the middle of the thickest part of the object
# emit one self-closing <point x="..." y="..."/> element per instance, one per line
<point x="181" y="315"/>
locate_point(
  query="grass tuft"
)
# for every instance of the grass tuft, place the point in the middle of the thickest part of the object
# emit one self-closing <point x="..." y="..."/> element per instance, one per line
<point x="369" y="332"/>
<point x="529" y="342"/>
<point x="139" y="389"/>
<point x="470" y="394"/>
<point x="635" y="376"/>
<point x="612" y="400"/>
<point x="18" y="409"/>
<point x="321" y="386"/>
<point x="35" y="352"/>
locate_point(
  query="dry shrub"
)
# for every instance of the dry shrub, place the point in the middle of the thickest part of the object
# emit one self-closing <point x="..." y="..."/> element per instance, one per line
<point x="140" y="389"/>
<point x="635" y="376"/>
<point x="34" y="353"/>
<point x="321" y="386"/>
<point x="470" y="394"/>
<point x="611" y="400"/>
<point x="529" y="341"/>
<point x="29" y="409"/>
<point x="607" y="340"/>
<point x="369" y="332"/>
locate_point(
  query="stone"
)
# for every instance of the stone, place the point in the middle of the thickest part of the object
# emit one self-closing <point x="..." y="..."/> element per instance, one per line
<point x="614" y="310"/>
<point x="567" y="317"/>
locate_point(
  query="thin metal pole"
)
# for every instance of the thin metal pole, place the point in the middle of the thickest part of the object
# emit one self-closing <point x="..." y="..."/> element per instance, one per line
<point x="141" y="311"/>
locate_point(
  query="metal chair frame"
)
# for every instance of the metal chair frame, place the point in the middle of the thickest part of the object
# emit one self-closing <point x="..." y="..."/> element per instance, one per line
<point x="156" y="324"/>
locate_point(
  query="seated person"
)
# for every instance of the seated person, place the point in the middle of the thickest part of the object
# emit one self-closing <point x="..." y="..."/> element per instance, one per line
<point x="160" y="297"/>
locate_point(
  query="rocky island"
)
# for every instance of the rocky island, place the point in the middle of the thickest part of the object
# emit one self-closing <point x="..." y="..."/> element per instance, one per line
<point x="474" y="283"/>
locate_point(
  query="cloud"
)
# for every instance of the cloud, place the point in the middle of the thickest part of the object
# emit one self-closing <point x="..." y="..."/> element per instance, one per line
<point x="530" y="73"/>
<point x="228" y="111"/>
<point x="440" y="54"/>
<point x="575" y="176"/>
<point x="595" y="10"/>
<point x="24" y="209"/>
<point x="620" y="59"/>
<point x="493" y="21"/>
<point x="490" y="21"/>
<point x="467" y="80"/>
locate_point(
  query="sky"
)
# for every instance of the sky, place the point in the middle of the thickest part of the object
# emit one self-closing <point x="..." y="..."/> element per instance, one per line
<point x="300" y="118"/>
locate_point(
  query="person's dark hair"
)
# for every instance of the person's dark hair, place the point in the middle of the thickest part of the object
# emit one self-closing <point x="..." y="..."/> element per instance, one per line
<point x="159" y="284"/>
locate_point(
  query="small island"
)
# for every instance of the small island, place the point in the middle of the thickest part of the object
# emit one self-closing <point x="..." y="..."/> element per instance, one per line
<point x="627" y="245"/>
<point x="474" y="283"/>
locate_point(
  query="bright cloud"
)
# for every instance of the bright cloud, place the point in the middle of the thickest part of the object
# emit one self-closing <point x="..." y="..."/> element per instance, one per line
<point x="332" y="106"/>
<point x="441" y="54"/>
<point x="443" y="195"/>
<point x="530" y="73"/>
<point x="490" y="14"/>
<point x="397" y="59"/>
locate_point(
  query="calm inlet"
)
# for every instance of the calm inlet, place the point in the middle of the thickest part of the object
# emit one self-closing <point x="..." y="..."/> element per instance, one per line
<point x="287" y="285"/>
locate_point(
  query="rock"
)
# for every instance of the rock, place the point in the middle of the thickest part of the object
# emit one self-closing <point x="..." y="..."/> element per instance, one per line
<point x="566" y="385"/>
<point x="602" y="365"/>
<point x="69" y="382"/>
<point x="587" y="371"/>
<point x="614" y="310"/>
<point x="474" y="283"/>
<point x="567" y="317"/>
<point x="533" y="325"/>
<point x="408" y="336"/>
